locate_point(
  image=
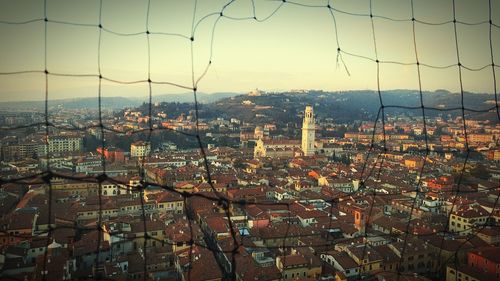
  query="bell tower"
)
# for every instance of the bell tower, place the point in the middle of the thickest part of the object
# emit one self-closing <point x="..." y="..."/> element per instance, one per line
<point x="308" y="130"/>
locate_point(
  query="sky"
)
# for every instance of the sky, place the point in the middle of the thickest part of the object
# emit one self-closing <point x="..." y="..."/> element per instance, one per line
<point x="290" y="47"/>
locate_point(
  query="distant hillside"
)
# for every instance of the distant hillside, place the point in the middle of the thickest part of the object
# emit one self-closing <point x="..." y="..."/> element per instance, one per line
<point x="113" y="102"/>
<point x="107" y="102"/>
<point x="285" y="109"/>
<point x="189" y="97"/>
<point x="346" y="106"/>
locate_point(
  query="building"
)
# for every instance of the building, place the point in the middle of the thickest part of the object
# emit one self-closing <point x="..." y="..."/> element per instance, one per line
<point x="246" y="134"/>
<point x="296" y="267"/>
<point x="112" y="154"/>
<point x="308" y="131"/>
<point x="480" y="138"/>
<point x="482" y="264"/>
<point x="413" y="163"/>
<point x="494" y="155"/>
<point x="61" y="144"/>
<point x="140" y="149"/>
<point x="366" y="258"/>
<point x="342" y="262"/>
<point x="255" y="93"/>
<point x="259" y="133"/>
<point x="287" y="148"/>
<point x="276" y="148"/>
<point x="28" y="149"/>
<point x="467" y="219"/>
<point x="414" y="256"/>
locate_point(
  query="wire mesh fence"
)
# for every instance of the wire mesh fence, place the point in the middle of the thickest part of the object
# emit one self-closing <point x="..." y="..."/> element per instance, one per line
<point x="198" y="243"/>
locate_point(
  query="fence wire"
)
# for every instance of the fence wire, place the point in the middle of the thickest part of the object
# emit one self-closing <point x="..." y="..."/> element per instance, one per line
<point x="372" y="167"/>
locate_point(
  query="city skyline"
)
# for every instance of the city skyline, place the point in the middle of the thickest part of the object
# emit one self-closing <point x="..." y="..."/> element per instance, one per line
<point x="141" y="199"/>
<point x="295" y="48"/>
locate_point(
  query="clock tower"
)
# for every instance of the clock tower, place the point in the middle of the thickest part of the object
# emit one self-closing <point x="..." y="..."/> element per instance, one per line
<point x="308" y="131"/>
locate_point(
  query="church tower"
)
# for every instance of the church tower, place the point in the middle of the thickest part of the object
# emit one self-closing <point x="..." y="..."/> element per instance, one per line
<point x="308" y="130"/>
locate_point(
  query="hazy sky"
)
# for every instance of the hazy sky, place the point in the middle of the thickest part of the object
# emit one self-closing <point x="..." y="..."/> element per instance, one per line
<point x="295" y="48"/>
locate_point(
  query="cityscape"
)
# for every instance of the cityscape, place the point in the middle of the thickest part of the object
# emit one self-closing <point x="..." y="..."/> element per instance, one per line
<point x="311" y="200"/>
<point x="245" y="140"/>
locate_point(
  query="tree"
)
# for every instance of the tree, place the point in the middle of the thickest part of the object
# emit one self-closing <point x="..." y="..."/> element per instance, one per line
<point x="480" y="172"/>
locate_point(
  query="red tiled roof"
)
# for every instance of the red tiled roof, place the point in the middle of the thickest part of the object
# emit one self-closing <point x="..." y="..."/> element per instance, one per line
<point x="293" y="260"/>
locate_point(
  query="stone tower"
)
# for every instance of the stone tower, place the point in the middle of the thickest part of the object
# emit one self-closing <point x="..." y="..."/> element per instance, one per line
<point x="308" y="130"/>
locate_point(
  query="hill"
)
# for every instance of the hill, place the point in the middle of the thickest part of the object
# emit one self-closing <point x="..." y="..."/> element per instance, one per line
<point x="112" y="102"/>
<point x="347" y="106"/>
